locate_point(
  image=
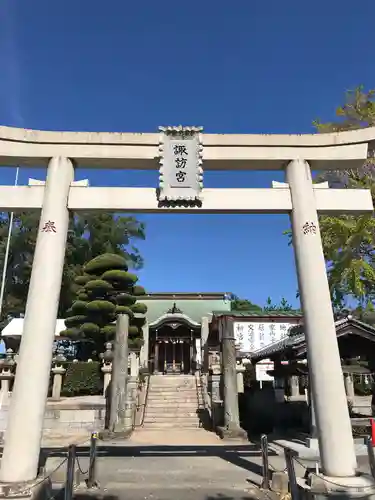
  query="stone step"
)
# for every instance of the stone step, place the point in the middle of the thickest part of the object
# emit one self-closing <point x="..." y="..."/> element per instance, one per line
<point x="168" y="384"/>
<point x="174" y="404"/>
<point x="173" y="380"/>
<point x="173" y="421"/>
<point x="172" y="390"/>
<point x="172" y="395"/>
<point x="169" y="403"/>
<point x="171" y="425"/>
<point x="171" y="414"/>
<point x="172" y="411"/>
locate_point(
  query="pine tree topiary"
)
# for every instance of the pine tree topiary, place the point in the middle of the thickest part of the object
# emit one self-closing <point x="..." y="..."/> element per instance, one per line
<point x="105" y="290"/>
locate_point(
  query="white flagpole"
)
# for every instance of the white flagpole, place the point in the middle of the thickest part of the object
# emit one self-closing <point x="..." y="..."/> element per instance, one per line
<point x="6" y="256"/>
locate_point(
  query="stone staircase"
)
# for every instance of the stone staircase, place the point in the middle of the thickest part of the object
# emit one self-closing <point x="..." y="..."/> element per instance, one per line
<point x="174" y="401"/>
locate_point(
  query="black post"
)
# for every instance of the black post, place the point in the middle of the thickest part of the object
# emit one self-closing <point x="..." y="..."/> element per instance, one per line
<point x="70" y="468"/>
<point x="265" y="465"/>
<point x="293" y="486"/>
<point x="91" y="481"/>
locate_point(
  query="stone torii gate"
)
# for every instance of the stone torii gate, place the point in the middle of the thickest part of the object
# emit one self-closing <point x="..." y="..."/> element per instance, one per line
<point x="180" y="153"/>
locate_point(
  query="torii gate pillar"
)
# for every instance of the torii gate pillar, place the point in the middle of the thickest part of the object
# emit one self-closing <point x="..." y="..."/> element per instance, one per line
<point x="333" y="422"/>
<point x="19" y="462"/>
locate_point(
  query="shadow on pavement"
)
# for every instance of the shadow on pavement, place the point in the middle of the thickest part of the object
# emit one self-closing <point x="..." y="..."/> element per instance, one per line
<point x="235" y="454"/>
<point x="168" y="495"/>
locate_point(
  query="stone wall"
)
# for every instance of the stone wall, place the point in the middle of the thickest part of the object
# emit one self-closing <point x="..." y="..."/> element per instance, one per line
<point x="73" y="416"/>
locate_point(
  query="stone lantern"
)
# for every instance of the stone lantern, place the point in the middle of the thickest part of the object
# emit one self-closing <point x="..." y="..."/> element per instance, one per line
<point x="7" y="371"/>
<point x="58" y="371"/>
<point x="107" y="358"/>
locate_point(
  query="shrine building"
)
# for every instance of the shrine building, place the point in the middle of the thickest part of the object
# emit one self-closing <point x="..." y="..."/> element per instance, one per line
<point x="184" y="328"/>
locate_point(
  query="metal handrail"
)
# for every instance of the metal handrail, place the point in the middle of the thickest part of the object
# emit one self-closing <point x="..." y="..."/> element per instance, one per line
<point x="144" y="404"/>
<point x="265" y="462"/>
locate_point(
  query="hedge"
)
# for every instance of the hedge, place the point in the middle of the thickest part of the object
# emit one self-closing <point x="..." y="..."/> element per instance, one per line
<point x="82" y="379"/>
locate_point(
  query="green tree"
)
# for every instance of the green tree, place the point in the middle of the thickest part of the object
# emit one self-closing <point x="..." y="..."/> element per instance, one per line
<point x="89" y="235"/>
<point x="348" y="241"/>
<point x="238" y="304"/>
<point x="105" y="289"/>
<point x="283" y="306"/>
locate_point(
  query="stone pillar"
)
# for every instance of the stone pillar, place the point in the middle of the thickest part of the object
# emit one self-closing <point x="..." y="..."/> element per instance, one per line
<point x="240" y="384"/>
<point x="294" y="386"/>
<point x="107" y="371"/>
<point x="214" y="386"/>
<point x="144" y="354"/>
<point x="58" y="372"/>
<point x="6" y="376"/>
<point x="232" y="427"/>
<point x="205" y="329"/>
<point x="198" y="354"/>
<point x="7" y="373"/>
<point x="191" y="351"/>
<point x="134" y="365"/>
<point x="119" y="375"/>
<point x="312" y="441"/>
<point x="131" y="401"/>
<point x="349" y="386"/>
<point x="279" y="383"/>
<point x="332" y="417"/>
<point x="26" y="415"/>
<point x="156" y="358"/>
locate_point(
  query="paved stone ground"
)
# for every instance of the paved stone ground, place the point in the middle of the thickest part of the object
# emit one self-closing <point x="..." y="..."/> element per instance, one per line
<point x="179" y="465"/>
<point x="172" y="465"/>
<point x="176" y="494"/>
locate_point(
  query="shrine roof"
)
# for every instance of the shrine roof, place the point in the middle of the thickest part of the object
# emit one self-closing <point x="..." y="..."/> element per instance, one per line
<point x="298" y="341"/>
<point x="194" y="306"/>
<point x="259" y="315"/>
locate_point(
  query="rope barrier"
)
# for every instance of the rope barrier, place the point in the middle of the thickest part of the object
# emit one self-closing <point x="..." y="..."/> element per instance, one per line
<point x="71" y="459"/>
<point x="345" y="486"/>
<point x="290" y="469"/>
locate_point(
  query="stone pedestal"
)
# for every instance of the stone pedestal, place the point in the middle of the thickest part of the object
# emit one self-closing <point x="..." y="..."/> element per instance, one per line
<point x="294" y="386"/>
<point x="6" y="378"/>
<point x="58" y="372"/>
<point x="322" y="487"/>
<point x="349" y="386"/>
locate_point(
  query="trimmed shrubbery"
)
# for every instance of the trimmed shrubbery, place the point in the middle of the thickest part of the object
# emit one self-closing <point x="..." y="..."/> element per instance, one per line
<point x="105" y="290"/>
<point x="82" y="379"/>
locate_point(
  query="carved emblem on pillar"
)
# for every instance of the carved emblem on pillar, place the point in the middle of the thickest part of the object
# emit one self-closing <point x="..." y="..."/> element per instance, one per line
<point x="309" y="228"/>
<point x="181" y="172"/>
<point x="49" y="227"/>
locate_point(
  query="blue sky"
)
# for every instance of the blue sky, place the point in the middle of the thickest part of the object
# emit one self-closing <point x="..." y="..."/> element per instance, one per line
<point x="232" y="67"/>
